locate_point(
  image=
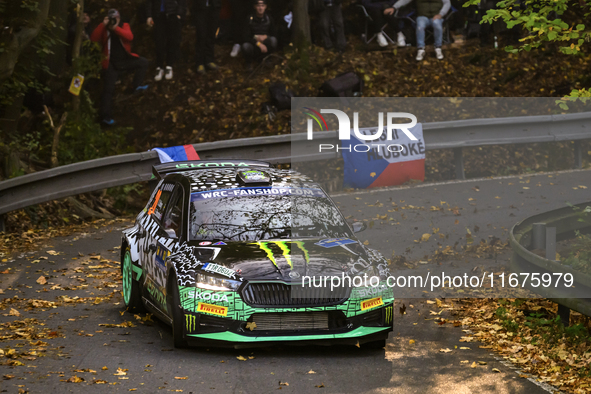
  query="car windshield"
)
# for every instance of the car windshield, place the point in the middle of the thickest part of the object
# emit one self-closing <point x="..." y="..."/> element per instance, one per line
<point x="256" y="213"/>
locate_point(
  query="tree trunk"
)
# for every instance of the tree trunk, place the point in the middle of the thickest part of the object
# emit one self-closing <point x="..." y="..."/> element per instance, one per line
<point x="76" y="48"/>
<point x="15" y="43"/>
<point x="56" y="134"/>
<point x="301" y="24"/>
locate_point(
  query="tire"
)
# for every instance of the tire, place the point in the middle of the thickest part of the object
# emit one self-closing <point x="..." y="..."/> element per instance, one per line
<point x="375" y="345"/>
<point x="132" y="296"/>
<point x="178" y="318"/>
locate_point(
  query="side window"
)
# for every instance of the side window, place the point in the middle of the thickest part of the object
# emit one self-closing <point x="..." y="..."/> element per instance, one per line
<point x="174" y="216"/>
<point x="160" y="202"/>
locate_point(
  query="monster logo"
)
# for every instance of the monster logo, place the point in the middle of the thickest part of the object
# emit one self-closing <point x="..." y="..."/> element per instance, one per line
<point x="191" y="322"/>
<point x="284" y="246"/>
<point x="388" y="319"/>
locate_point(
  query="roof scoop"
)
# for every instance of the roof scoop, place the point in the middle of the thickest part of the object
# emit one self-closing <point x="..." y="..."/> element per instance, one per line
<point x="253" y="178"/>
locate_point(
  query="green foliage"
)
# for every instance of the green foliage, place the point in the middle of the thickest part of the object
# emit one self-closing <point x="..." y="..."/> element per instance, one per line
<point x="577" y="94"/>
<point x="83" y="139"/>
<point x="542" y="20"/>
<point x="89" y="62"/>
<point x="31" y="68"/>
<point x="580" y="255"/>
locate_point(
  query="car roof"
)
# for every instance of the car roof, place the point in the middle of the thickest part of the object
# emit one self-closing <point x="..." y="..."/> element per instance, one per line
<point x="225" y="178"/>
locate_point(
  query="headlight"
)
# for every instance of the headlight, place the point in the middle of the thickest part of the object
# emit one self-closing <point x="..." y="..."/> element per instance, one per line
<point x="209" y="282"/>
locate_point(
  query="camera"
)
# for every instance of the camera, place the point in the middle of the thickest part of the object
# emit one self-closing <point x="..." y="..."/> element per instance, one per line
<point x="113" y="14"/>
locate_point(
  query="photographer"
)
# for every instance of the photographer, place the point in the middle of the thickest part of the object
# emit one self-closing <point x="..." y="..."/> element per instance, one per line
<point x="115" y="39"/>
<point x="166" y="17"/>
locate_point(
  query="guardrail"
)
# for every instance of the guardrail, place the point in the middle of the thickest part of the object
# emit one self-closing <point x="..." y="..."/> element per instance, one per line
<point x="120" y="170"/>
<point x="561" y="224"/>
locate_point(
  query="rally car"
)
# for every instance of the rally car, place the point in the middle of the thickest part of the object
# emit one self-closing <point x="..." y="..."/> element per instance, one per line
<point x="223" y="250"/>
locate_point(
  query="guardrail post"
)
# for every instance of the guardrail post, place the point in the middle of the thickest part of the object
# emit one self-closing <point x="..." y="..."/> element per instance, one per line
<point x="539" y="236"/>
<point x="2" y="225"/>
<point x="459" y="162"/>
<point x="551" y="243"/>
<point x="564" y="314"/>
<point x="578" y="155"/>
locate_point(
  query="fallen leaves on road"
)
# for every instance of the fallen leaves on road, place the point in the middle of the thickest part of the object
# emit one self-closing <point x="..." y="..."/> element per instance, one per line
<point x="528" y="333"/>
<point x="41" y="280"/>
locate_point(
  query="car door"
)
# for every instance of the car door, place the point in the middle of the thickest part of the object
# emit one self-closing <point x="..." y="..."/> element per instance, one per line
<point x="153" y="248"/>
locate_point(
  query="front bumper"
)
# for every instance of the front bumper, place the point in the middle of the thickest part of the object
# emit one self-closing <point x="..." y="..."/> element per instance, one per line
<point x="358" y="336"/>
<point x="224" y="319"/>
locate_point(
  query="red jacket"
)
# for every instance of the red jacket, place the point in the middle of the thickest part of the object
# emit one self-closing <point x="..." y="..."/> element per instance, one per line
<point x="101" y="35"/>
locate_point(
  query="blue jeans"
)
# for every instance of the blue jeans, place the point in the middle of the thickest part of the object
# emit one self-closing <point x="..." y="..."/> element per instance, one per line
<point x="422" y="23"/>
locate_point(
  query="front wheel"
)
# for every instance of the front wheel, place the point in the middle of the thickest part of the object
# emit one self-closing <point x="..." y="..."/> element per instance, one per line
<point x="131" y="288"/>
<point x="177" y="314"/>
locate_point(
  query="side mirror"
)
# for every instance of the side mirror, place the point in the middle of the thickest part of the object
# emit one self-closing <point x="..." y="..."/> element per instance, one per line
<point x="359" y="227"/>
<point x="171" y="233"/>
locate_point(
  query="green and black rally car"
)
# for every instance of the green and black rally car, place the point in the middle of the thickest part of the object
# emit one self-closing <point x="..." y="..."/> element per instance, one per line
<point x="238" y="253"/>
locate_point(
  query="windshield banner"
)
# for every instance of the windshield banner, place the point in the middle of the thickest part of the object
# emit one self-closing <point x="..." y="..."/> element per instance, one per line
<point x="257" y="191"/>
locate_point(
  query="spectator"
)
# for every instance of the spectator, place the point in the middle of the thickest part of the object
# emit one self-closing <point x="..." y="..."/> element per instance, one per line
<point x="332" y="13"/>
<point x="207" y="21"/>
<point x="239" y="17"/>
<point x="382" y="12"/>
<point x="260" y="34"/>
<point x="115" y="38"/>
<point x="166" y="17"/>
<point x="430" y="14"/>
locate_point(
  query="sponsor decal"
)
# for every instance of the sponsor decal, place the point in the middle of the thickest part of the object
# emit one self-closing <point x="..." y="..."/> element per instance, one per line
<point x="257" y="191"/>
<point x="204" y="243"/>
<point x="389" y="316"/>
<point x="363" y="292"/>
<point x="161" y="254"/>
<point x="332" y="242"/>
<point x="219" y="243"/>
<point x="212" y="309"/>
<point x="215" y="297"/>
<point x="284" y="246"/>
<point x="219" y="269"/>
<point x="191" y="322"/>
<point x="254" y="175"/>
<point x="156" y="294"/>
<point x="207" y="165"/>
<point x="294" y="275"/>
<point x="369" y="304"/>
<point x="156" y="200"/>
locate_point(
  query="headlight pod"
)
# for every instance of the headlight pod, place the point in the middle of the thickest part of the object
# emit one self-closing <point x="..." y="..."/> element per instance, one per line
<point x="209" y="282"/>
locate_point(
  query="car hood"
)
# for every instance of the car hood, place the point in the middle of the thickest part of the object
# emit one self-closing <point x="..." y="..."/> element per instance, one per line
<point x="286" y="260"/>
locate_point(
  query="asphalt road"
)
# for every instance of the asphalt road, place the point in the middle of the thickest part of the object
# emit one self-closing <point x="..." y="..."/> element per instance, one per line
<point x="69" y="340"/>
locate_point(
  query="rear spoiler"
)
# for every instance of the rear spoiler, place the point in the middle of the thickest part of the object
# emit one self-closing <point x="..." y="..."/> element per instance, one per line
<point x="161" y="170"/>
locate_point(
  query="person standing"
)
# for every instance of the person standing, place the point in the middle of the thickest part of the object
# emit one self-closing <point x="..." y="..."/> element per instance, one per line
<point x="115" y="39"/>
<point x="207" y="21"/>
<point x="240" y="10"/>
<point x="332" y="13"/>
<point x="166" y="18"/>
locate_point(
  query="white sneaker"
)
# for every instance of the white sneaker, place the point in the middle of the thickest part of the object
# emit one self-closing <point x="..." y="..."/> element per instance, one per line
<point x="159" y="74"/>
<point x="382" y="40"/>
<point x="401" y="41"/>
<point x="235" y="50"/>
<point x="438" y="53"/>
<point x="420" y="55"/>
<point x="168" y="72"/>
